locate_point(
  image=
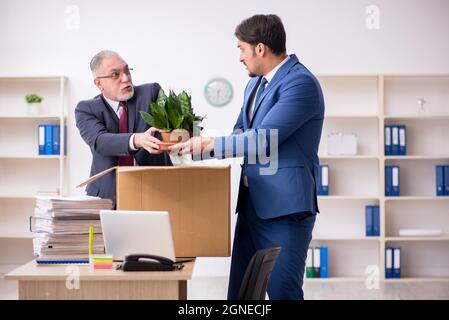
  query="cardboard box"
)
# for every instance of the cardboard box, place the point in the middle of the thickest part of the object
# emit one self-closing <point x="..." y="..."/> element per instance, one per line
<point x="197" y="199"/>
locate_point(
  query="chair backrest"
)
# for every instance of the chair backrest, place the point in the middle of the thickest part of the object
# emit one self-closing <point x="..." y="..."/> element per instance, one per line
<point x="255" y="281"/>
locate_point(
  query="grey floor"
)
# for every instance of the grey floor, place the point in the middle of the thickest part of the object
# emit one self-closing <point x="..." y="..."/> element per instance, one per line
<point x="214" y="288"/>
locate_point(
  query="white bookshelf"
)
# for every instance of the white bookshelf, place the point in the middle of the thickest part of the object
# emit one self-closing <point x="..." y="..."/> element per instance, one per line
<point x="363" y="104"/>
<point x="23" y="172"/>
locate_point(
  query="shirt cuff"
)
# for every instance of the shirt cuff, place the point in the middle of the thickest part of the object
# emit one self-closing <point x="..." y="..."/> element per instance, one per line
<point x="131" y="143"/>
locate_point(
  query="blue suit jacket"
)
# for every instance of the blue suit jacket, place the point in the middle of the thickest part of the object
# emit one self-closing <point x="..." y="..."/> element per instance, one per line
<point x="99" y="127"/>
<point x="293" y="104"/>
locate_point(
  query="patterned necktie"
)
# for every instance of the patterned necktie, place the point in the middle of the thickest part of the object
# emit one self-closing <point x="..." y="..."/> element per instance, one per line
<point x="123" y="128"/>
<point x="263" y="82"/>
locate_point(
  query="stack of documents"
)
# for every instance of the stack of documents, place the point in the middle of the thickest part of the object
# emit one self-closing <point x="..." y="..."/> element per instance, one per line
<point x="61" y="225"/>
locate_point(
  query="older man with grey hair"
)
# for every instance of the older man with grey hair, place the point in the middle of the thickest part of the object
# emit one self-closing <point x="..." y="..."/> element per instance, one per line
<point x="111" y="125"/>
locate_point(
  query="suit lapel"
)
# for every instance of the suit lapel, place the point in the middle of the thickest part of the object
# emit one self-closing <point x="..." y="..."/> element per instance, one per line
<point x="279" y="75"/>
<point x="251" y="90"/>
<point x="111" y="111"/>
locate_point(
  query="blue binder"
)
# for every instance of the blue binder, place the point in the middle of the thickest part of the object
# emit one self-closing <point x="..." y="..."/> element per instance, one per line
<point x="48" y="148"/>
<point x="369" y="221"/>
<point x="440" y="185"/>
<point x="323" y="185"/>
<point x="402" y="140"/>
<point x="41" y="139"/>
<point x="446" y="180"/>
<point x="65" y="140"/>
<point x="394" y="140"/>
<point x="376" y="220"/>
<point x="387" y="140"/>
<point x="392" y="181"/>
<point x="396" y="262"/>
<point x="388" y="263"/>
<point x="56" y="139"/>
<point x="324" y="270"/>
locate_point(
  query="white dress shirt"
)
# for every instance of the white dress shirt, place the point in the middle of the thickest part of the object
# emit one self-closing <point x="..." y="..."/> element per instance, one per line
<point x="269" y="76"/>
<point x="115" y="106"/>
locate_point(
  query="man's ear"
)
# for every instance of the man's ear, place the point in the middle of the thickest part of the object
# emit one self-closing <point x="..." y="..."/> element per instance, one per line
<point x="260" y="49"/>
<point x="97" y="83"/>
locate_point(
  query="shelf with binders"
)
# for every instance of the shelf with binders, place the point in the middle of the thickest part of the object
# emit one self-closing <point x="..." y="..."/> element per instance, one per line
<point x="416" y="97"/>
<point x="417" y="177"/>
<point x="24" y="171"/>
<point x="350" y="179"/>
<point x="343" y="220"/>
<point x="418" y="135"/>
<point x="27" y="135"/>
<point x="421" y="260"/>
<point x="348" y="260"/>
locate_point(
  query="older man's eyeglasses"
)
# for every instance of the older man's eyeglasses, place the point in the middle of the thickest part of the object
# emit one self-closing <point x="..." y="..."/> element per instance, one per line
<point x="117" y="74"/>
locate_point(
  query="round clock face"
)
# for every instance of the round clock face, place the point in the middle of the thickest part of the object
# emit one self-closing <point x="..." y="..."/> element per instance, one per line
<point x="218" y="92"/>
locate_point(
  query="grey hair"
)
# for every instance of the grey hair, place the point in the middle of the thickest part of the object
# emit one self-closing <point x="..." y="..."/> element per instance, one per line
<point x="98" y="58"/>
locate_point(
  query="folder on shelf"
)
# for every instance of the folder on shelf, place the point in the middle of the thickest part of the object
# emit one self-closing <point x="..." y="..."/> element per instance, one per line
<point x="392" y="181"/>
<point x="388" y="263"/>
<point x="376" y="221"/>
<point x="316" y="262"/>
<point x="41" y="139"/>
<point x="387" y="140"/>
<point x="309" y="263"/>
<point x="369" y="221"/>
<point x="402" y="140"/>
<point x="323" y="183"/>
<point x="394" y="140"/>
<point x="396" y="262"/>
<point x="48" y="148"/>
<point x="440" y="185"/>
<point x="446" y="180"/>
<point x="324" y="273"/>
<point x="56" y="139"/>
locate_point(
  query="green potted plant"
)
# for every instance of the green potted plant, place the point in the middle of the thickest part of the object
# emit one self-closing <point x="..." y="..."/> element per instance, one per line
<point x="174" y="116"/>
<point x="33" y="101"/>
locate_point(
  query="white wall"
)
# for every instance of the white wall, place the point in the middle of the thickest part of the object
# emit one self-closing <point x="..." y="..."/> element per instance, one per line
<point x="183" y="44"/>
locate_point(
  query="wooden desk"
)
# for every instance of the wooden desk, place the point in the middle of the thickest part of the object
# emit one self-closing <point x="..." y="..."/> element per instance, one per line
<point x="79" y="282"/>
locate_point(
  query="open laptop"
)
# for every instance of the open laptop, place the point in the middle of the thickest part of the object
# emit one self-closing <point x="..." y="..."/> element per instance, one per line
<point x="137" y="232"/>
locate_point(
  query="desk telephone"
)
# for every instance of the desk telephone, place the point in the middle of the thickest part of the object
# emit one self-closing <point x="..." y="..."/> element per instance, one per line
<point x="148" y="262"/>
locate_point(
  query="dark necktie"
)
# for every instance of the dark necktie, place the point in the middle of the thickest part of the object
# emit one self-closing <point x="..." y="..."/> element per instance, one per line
<point x="263" y="82"/>
<point x="123" y="128"/>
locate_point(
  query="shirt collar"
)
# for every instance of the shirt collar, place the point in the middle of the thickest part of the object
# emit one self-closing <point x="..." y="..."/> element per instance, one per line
<point x="114" y="104"/>
<point x="271" y="74"/>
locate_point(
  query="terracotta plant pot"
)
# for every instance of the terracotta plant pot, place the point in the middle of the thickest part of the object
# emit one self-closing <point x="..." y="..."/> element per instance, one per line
<point x="173" y="137"/>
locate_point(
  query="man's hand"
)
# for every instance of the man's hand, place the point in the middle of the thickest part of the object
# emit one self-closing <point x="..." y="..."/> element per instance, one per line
<point x="147" y="141"/>
<point x="195" y="145"/>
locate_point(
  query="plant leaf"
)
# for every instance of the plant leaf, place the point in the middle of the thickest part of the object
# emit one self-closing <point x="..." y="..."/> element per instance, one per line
<point x="148" y="118"/>
<point x="161" y="98"/>
<point x="159" y="116"/>
<point x="173" y="112"/>
<point x="185" y="104"/>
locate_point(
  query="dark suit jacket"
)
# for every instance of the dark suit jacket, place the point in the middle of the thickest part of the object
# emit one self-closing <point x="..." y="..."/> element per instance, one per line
<point x="99" y="126"/>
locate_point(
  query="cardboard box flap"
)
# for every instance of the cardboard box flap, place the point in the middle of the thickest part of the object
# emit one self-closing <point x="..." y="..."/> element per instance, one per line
<point x="95" y="177"/>
<point x="139" y="168"/>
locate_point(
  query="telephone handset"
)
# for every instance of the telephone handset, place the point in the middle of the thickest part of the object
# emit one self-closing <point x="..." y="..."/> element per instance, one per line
<point x="149" y="262"/>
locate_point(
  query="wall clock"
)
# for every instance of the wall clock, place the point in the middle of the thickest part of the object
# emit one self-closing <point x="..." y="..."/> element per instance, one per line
<point x="218" y="92"/>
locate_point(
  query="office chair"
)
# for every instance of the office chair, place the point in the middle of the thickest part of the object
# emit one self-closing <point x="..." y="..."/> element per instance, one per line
<point x="255" y="281"/>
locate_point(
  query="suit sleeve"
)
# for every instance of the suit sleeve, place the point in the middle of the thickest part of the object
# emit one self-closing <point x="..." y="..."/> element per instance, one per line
<point x="297" y="104"/>
<point x="94" y="133"/>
